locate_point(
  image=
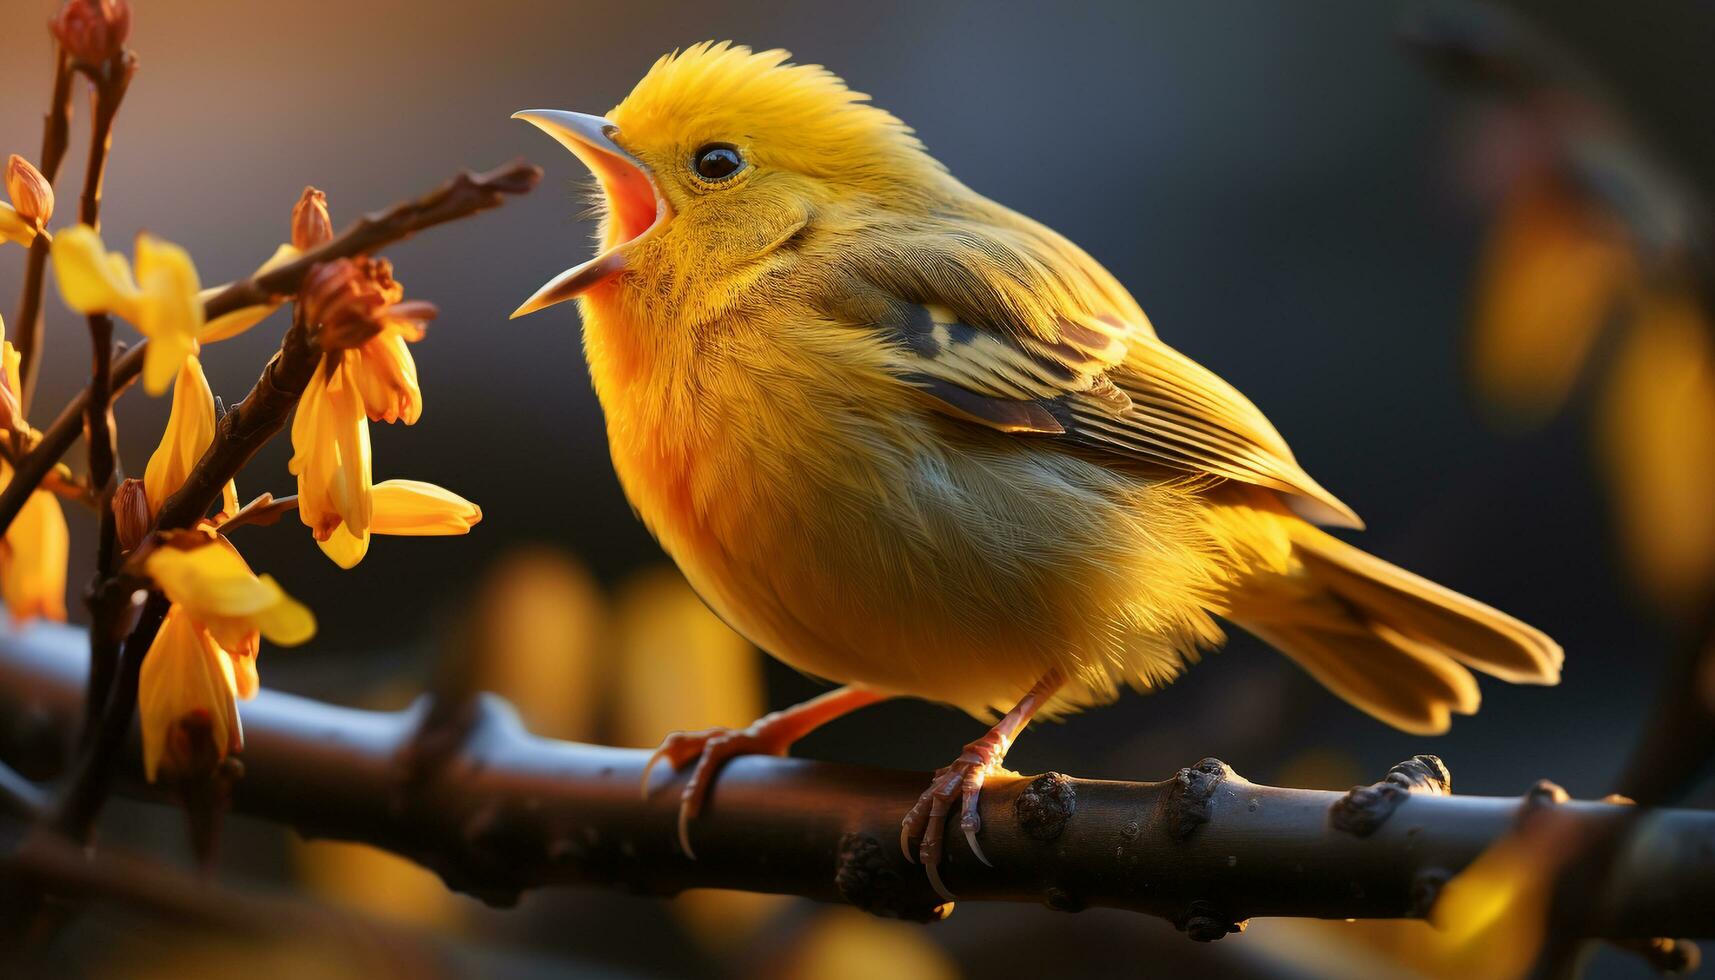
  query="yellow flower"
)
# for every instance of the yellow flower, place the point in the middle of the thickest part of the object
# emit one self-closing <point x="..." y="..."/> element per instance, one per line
<point x="11" y="410"/>
<point x="190" y="430"/>
<point x="386" y="374"/>
<point x="187" y="700"/>
<point x="33" y="557"/>
<point x="203" y="660"/>
<point x="14" y="227"/>
<point x="205" y="575"/>
<point x="330" y="458"/>
<point x="164" y="301"/>
<point x="356" y="305"/>
<point x="338" y="499"/>
<point x="410" y="508"/>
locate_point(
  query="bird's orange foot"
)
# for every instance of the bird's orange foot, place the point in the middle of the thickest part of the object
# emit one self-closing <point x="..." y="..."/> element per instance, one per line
<point x="710" y="748"/>
<point x="963" y="780"/>
<point x="771" y="734"/>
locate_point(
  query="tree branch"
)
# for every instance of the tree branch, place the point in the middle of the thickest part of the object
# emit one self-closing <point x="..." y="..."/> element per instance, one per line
<point x="462" y="196"/>
<point x="56" y="130"/>
<point x="467" y="792"/>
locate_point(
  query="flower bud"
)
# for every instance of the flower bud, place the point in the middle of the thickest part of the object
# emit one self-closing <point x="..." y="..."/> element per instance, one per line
<point x="92" y="31"/>
<point x="345" y="300"/>
<point x="130" y="513"/>
<point x="30" y="192"/>
<point x="311" y="226"/>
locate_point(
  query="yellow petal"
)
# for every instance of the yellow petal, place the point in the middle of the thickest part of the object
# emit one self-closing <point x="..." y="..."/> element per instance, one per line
<point x="37" y="548"/>
<point x="409" y="507"/>
<point x="287" y="622"/>
<point x="13" y="227"/>
<point x="13" y="359"/>
<point x="229" y="498"/>
<point x="344" y="547"/>
<point x="244" y="673"/>
<point x="331" y="458"/>
<point x="282" y="255"/>
<point x="210" y="581"/>
<point x="190" y="430"/>
<point x="170" y="313"/>
<point x="386" y="376"/>
<point x="186" y="677"/>
<point x="215" y="586"/>
<point x="229" y="325"/>
<point x="163" y="359"/>
<point x="89" y="280"/>
<point x="11" y="410"/>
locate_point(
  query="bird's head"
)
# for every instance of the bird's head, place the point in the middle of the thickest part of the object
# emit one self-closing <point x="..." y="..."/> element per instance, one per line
<point x="721" y="158"/>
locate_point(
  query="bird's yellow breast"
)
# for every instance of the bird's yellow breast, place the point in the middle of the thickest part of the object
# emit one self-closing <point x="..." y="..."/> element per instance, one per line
<point x="829" y="517"/>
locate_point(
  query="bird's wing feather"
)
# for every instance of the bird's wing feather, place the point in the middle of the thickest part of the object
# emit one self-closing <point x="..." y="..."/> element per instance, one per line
<point x="1102" y="381"/>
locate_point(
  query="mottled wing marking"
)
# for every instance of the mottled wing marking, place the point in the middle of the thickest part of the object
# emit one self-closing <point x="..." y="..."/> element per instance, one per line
<point x="1109" y="385"/>
<point x="1074" y="359"/>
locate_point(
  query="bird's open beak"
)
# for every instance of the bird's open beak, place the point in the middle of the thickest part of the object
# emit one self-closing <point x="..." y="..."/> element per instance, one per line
<point x="637" y="209"/>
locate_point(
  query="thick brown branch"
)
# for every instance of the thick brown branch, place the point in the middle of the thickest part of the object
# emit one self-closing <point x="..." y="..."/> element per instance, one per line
<point x="496" y="811"/>
<point x="460" y="197"/>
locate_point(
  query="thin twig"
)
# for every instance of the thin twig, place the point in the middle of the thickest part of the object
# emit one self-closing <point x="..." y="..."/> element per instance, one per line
<point x="56" y="129"/>
<point x="264" y="510"/>
<point x="462" y="196"/>
<point x="246" y="427"/>
<point x="497" y="811"/>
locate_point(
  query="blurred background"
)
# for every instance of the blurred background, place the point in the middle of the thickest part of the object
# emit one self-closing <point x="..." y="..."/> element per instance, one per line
<point x="1296" y="200"/>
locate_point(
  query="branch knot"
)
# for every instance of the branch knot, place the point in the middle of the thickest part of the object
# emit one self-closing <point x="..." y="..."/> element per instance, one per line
<point x="1187" y="800"/>
<point x="1365" y="808"/>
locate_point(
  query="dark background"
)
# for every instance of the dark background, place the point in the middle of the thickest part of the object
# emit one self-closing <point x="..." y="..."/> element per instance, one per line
<point x="1275" y="182"/>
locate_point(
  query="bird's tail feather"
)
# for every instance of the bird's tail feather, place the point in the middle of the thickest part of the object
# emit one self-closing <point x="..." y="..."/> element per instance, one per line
<point x="1390" y="642"/>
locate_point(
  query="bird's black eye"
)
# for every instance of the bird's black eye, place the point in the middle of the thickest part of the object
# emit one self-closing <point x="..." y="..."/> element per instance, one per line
<point x="718" y="161"/>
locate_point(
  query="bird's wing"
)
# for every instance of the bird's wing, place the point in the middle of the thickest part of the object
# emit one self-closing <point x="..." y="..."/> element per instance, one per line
<point x="1102" y="381"/>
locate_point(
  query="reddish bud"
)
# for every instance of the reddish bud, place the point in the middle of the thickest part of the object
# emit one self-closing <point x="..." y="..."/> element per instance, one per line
<point x="311" y="226"/>
<point x="130" y="513"/>
<point x="31" y="194"/>
<point x="92" y="31"/>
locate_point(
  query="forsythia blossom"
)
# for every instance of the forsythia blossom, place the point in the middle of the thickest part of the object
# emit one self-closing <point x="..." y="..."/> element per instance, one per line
<point x="164" y="301"/>
<point x="33" y="557"/>
<point x="203" y="659"/>
<point x="190" y="431"/>
<point x="35" y="549"/>
<point x="337" y="498"/>
<point x="363" y="322"/>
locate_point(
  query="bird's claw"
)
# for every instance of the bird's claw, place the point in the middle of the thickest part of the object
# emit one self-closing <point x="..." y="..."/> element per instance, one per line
<point x="711" y="748"/>
<point x="926" y="823"/>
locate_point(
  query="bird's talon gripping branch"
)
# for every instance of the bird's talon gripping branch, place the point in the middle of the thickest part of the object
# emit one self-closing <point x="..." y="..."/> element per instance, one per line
<point x="964" y="780"/>
<point x="772" y="734"/>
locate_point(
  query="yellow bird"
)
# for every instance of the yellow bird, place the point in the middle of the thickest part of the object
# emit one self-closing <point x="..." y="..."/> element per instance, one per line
<point x="908" y="440"/>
